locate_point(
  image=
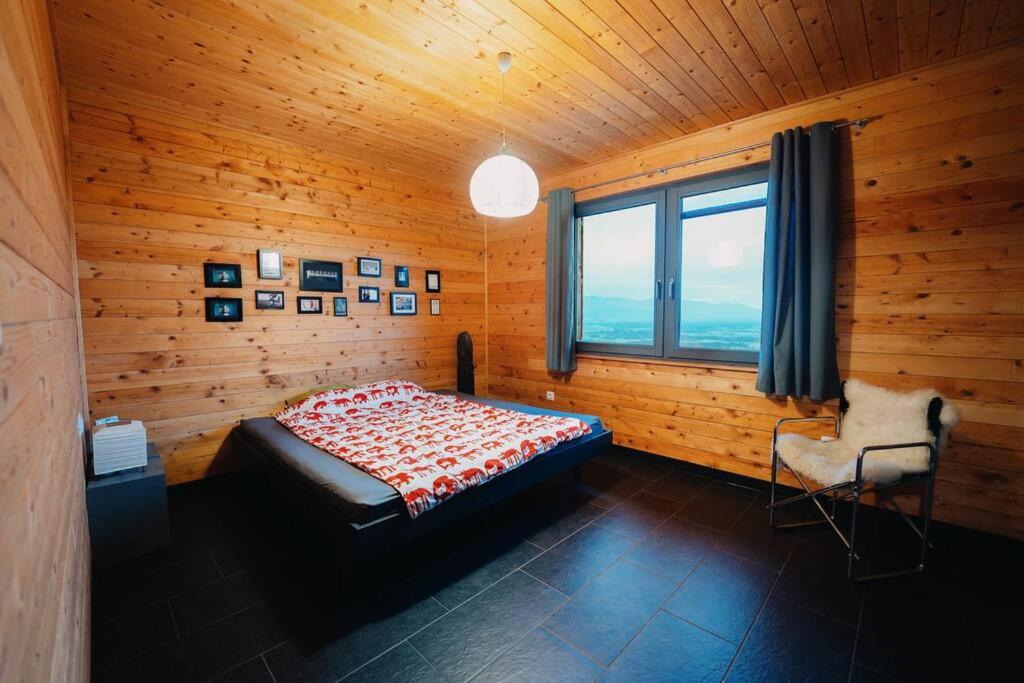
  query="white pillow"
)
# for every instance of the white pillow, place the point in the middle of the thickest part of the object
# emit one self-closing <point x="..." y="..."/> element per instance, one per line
<point x="340" y="401"/>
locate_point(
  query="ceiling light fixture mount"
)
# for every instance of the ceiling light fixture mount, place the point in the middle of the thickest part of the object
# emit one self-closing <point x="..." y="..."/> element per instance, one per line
<point x="504" y="186"/>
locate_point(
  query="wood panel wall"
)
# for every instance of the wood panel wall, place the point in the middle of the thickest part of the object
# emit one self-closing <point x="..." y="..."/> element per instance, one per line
<point x="156" y="195"/>
<point x="930" y="286"/>
<point x="44" y="543"/>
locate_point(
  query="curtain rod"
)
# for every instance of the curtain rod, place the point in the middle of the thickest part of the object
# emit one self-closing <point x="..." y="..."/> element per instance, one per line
<point x="860" y="123"/>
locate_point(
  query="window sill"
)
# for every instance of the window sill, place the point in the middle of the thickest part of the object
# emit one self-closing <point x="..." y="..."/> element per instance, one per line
<point x="750" y="368"/>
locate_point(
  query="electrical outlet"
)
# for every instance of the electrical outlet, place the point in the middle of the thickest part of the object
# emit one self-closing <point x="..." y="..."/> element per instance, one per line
<point x="550" y="396"/>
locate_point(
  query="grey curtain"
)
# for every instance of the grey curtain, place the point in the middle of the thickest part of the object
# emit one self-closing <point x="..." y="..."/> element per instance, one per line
<point x="561" y="282"/>
<point x="798" y="348"/>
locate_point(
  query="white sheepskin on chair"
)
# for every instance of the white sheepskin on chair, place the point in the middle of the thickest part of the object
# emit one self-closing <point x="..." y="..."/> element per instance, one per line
<point x="876" y="416"/>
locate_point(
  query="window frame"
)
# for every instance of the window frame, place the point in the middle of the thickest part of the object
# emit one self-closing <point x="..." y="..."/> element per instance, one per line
<point x="667" y="261"/>
<point x="607" y="205"/>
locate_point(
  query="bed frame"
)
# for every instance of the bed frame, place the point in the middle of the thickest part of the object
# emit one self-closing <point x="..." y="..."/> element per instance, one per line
<point x="360" y="542"/>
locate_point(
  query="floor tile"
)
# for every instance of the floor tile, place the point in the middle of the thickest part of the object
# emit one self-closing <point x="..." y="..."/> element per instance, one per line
<point x="862" y="674"/>
<point x="540" y="657"/>
<point x="606" y="614"/>
<point x="638" y="514"/>
<point x="465" y="641"/>
<point x="133" y="633"/>
<point x="400" y="665"/>
<point x="788" y="642"/>
<point x="718" y="506"/>
<point x="335" y="647"/>
<point x="548" y="529"/>
<point x="646" y="469"/>
<point x="574" y="561"/>
<point x="670" y="650"/>
<point x="753" y="538"/>
<point x="206" y="604"/>
<point x="674" y="548"/>
<point x="117" y="598"/>
<point x="458" y="577"/>
<point x="678" y="485"/>
<point x="253" y="671"/>
<point x="723" y="595"/>
<point x="920" y="614"/>
<point x="815" y="577"/>
<point x="608" y="487"/>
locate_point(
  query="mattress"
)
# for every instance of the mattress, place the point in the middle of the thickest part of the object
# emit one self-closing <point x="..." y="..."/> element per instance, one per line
<point x="361" y="497"/>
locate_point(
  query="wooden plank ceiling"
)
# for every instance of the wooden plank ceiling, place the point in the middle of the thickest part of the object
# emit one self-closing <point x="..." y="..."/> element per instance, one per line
<point x="413" y="86"/>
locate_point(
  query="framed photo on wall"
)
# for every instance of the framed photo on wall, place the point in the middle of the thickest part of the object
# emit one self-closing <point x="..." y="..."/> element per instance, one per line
<point x="269" y="301"/>
<point x="401" y="276"/>
<point x="369" y="295"/>
<point x="403" y="303"/>
<point x="269" y="264"/>
<point x="433" y="281"/>
<point x="340" y="306"/>
<point x="221" y="310"/>
<point x="320" y="276"/>
<point x="435" y="307"/>
<point x="310" y="305"/>
<point x="368" y="267"/>
<point x="222" y="275"/>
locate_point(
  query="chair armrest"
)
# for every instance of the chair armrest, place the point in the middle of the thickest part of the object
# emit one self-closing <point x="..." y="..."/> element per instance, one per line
<point x="932" y="453"/>
<point x="822" y="418"/>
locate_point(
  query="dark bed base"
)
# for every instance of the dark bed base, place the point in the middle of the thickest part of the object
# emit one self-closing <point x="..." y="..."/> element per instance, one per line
<point x="359" y="542"/>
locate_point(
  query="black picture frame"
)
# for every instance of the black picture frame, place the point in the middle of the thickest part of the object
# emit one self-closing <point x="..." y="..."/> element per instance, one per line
<point x="223" y="309"/>
<point x="321" y="276"/>
<point x="397" y="307"/>
<point x="317" y="301"/>
<point x="434" y="275"/>
<point x="367" y="266"/>
<point x="402" y="276"/>
<point x="219" y="275"/>
<point x="340" y="307"/>
<point x="435" y="307"/>
<point x="269" y="300"/>
<point x="369" y="295"/>
<point x="266" y="271"/>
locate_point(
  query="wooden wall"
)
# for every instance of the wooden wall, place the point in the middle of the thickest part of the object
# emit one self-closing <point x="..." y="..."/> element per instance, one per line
<point x="930" y="287"/>
<point x="156" y="195"/>
<point x="44" y="543"/>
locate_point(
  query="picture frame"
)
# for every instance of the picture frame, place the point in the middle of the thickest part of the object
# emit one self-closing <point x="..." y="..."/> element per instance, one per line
<point x="310" y="305"/>
<point x="403" y="303"/>
<point x="217" y="275"/>
<point x="269" y="300"/>
<point x="223" y="309"/>
<point x="435" y="307"/>
<point x="340" y="307"/>
<point x="401" y="276"/>
<point x="321" y="276"/>
<point x="433" y="279"/>
<point x="369" y="295"/>
<point x="269" y="264"/>
<point x="367" y="266"/>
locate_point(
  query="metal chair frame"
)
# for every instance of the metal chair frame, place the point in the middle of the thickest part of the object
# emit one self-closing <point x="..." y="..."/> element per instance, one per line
<point x="854" y="489"/>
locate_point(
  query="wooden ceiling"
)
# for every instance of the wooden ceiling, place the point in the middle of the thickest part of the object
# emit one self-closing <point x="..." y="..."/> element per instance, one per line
<point x="412" y="85"/>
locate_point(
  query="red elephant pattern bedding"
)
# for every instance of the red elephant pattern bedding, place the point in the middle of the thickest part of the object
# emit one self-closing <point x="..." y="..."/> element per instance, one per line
<point x="428" y="446"/>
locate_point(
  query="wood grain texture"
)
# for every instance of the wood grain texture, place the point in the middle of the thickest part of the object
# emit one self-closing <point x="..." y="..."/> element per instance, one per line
<point x="157" y="195"/>
<point x="44" y="546"/>
<point x="930" y="286"/>
<point x="411" y="86"/>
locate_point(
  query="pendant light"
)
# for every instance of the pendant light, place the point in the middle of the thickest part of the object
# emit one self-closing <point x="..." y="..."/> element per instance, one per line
<point x="504" y="186"/>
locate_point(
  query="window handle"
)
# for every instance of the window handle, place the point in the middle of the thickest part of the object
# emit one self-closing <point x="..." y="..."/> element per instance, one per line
<point x="657" y="290"/>
<point x="672" y="288"/>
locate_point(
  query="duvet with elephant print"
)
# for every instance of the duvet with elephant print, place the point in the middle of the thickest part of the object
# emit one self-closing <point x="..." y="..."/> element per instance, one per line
<point x="428" y="446"/>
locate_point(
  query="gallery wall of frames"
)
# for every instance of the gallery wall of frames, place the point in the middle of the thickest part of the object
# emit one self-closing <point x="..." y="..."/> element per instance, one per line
<point x="221" y="273"/>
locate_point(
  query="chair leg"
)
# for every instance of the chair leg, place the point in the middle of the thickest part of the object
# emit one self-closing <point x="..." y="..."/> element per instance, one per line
<point x="929" y="498"/>
<point x="775" y="474"/>
<point x="852" y="557"/>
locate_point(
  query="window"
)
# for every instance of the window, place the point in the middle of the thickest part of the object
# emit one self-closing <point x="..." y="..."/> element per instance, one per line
<point x="674" y="272"/>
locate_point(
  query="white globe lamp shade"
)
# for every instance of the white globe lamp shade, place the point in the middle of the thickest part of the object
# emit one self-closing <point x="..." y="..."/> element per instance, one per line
<point x="504" y="186"/>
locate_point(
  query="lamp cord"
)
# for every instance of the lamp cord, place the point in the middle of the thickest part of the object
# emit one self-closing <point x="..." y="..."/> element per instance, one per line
<point x="503" y="139"/>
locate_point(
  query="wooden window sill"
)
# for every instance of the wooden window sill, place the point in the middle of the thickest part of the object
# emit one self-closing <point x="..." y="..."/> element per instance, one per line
<point x="671" y="362"/>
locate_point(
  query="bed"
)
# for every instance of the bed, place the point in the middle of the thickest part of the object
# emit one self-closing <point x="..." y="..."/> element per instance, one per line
<point x="367" y="516"/>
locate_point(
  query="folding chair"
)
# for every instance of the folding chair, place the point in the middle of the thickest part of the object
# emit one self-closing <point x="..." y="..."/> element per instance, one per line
<point x="883" y="439"/>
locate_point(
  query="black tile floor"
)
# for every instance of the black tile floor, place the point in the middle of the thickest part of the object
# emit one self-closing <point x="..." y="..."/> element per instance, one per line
<point x="646" y="570"/>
